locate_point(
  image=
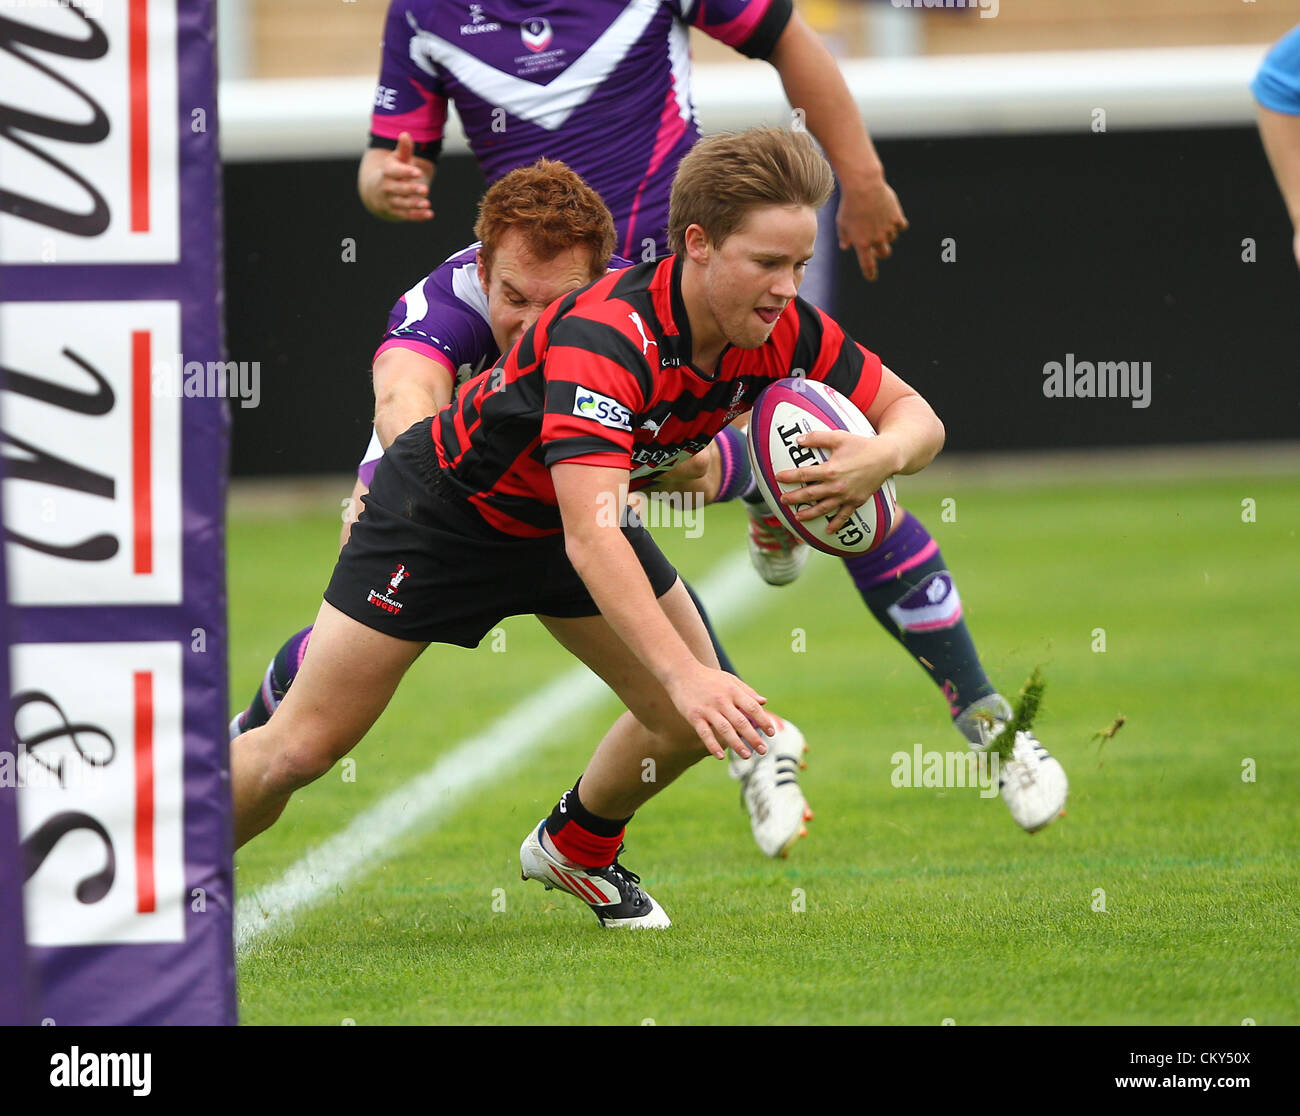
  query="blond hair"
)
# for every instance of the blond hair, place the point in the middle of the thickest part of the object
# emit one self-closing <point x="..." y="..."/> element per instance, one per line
<point x="724" y="176"/>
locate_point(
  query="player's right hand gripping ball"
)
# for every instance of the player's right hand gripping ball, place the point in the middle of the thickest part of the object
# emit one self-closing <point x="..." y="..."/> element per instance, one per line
<point x="795" y="406"/>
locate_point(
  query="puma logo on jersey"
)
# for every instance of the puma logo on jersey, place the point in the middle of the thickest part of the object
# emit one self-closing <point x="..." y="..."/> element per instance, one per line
<point x="645" y="341"/>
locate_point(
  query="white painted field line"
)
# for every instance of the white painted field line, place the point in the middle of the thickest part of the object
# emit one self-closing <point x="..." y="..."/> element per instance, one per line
<point x="427" y="800"/>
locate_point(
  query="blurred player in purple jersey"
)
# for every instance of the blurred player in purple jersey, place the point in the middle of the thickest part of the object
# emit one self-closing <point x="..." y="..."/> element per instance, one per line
<point x="604" y="86"/>
<point x="542" y="233"/>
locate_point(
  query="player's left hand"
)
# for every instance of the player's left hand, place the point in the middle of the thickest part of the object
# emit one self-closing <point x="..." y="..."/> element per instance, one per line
<point x="869" y="221"/>
<point x="700" y="473"/>
<point x="857" y="467"/>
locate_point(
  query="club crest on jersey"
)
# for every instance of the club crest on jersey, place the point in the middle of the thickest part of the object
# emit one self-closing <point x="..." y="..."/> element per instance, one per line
<point x="536" y="34"/>
<point x="736" y="405"/>
<point x="385" y="599"/>
<point x="599" y="408"/>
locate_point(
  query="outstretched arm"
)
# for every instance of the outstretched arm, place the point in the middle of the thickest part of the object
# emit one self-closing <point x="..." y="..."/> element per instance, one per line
<point x="721" y="708"/>
<point x="408" y="387"/>
<point x="1280" y="134"/>
<point x="870" y="216"/>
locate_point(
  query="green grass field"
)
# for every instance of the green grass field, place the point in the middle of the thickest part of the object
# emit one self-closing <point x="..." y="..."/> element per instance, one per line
<point x="903" y="906"/>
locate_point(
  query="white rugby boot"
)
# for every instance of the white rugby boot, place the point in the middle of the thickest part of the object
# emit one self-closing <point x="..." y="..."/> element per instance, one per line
<point x="770" y="791"/>
<point x="1032" y="782"/>
<point x="774" y="552"/>
<point x="611" y="892"/>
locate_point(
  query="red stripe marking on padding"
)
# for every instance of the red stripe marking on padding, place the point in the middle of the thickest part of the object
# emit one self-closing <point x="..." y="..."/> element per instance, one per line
<point x="146" y="898"/>
<point x="141" y="452"/>
<point x="138" y="65"/>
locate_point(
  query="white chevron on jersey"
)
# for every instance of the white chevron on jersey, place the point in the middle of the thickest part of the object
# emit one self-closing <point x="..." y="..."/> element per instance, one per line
<point x="550" y="105"/>
<point x="465" y="285"/>
<point x="417" y="304"/>
<point x="679" y="59"/>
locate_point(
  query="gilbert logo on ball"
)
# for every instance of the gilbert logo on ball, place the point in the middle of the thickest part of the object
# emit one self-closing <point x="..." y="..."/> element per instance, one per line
<point x="796" y="406"/>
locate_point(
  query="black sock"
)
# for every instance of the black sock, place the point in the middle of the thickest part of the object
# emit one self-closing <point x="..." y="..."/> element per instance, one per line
<point x="581" y="836"/>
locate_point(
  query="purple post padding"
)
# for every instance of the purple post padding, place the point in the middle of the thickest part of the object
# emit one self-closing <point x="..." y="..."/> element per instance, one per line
<point x="16" y="999"/>
<point x="120" y="630"/>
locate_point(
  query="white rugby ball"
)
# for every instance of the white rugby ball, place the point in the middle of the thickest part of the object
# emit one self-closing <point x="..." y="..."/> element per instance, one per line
<point x="795" y="406"/>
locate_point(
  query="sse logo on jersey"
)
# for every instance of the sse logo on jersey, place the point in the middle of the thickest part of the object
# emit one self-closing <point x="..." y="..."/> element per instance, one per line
<point x="602" y="409"/>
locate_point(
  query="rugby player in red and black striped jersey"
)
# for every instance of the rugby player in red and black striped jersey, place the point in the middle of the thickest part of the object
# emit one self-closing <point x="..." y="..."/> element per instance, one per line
<point x="511" y="502"/>
<point x="542" y="233"/>
<point x="608" y="376"/>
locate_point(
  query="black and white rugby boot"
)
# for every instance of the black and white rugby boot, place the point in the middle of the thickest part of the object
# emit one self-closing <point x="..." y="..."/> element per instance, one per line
<point x="612" y="892"/>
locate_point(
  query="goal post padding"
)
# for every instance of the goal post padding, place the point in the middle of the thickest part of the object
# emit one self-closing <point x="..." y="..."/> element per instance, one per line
<point x="114" y="511"/>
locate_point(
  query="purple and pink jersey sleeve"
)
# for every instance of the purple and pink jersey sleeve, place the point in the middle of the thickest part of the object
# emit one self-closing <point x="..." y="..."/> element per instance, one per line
<point x="737" y="23"/>
<point x="602" y="85"/>
<point x="444" y="317"/>
<point x="407" y="97"/>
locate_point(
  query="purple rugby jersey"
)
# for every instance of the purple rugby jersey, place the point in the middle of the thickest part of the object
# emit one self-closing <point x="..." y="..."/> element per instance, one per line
<point x="602" y="85"/>
<point x="444" y="318"/>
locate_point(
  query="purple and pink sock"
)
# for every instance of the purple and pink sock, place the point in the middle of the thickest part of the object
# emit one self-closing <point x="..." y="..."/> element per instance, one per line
<point x="279" y="676"/>
<point x="914" y="597"/>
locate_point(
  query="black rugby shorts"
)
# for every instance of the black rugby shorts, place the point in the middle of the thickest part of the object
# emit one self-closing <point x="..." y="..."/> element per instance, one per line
<point x="421" y="564"/>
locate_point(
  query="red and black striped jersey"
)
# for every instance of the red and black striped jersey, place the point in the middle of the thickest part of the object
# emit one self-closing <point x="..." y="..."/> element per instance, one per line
<point x="605" y="377"/>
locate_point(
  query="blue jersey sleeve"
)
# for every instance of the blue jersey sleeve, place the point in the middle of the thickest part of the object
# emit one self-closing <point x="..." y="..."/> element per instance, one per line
<point x="1277" y="85"/>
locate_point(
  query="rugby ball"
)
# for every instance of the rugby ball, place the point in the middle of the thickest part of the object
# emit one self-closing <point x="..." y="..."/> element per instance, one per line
<point x="795" y="406"/>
